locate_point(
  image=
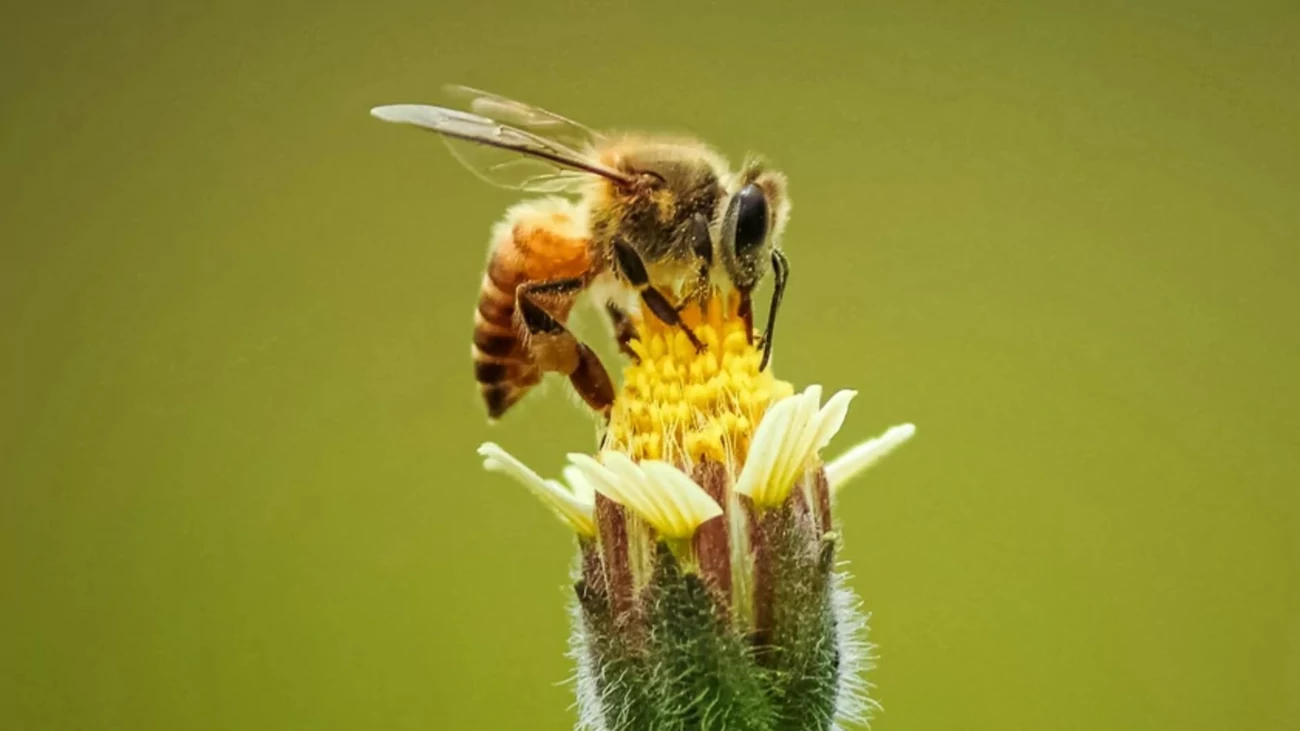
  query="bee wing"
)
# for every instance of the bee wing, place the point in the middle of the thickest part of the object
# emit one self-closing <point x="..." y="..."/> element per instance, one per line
<point x="550" y="181"/>
<point x="526" y="116"/>
<point x="544" y="162"/>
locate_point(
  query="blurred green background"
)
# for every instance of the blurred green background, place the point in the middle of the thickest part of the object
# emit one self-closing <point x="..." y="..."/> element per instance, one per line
<point x="238" y="487"/>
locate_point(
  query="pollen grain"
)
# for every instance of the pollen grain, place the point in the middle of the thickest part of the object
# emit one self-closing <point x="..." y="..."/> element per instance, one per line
<point x="685" y="406"/>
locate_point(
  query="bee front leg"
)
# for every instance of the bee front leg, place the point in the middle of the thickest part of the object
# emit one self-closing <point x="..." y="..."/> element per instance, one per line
<point x="541" y="308"/>
<point x="746" y="313"/>
<point x="780" y="275"/>
<point x="633" y="269"/>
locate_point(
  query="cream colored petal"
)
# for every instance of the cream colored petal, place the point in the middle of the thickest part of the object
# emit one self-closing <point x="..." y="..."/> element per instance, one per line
<point x="581" y="486"/>
<point x="613" y="485"/>
<point x="598" y="476"/>
<point x="575" y="511"/>
<point x="831" y="418"/>
<point x="689" y="505"/>
<point x="765" y="449"/>
<point x="797" y="444"/>
<point x="848" y="465"/>
<point x="662" y="495"/>
<point x="640" y="494"/>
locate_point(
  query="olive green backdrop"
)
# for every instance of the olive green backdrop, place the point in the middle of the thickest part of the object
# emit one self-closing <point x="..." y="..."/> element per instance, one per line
<point x="238" y="487"/>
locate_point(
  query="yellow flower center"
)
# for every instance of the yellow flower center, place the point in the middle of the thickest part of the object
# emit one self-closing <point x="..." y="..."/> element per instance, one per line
<point x="682" y="405"/>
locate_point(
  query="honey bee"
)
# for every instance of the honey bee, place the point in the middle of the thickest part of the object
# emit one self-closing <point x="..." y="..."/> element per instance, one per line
<point x="636" y="220"/>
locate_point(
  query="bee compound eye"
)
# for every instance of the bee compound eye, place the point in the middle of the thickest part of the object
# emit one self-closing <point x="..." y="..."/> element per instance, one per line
<point x="751" y="218"/>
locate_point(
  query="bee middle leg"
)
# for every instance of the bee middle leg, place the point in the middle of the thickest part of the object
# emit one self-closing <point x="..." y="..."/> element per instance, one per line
<point x="630" y="264"/>
<point x="624" y="330"/>
<point x="542" y="307"/>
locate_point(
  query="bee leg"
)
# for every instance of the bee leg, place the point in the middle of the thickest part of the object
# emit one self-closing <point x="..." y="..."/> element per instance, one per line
<point x="624" y="330"/>
<point x="746" y="313"/>
<point x="702" y="245"/>
<point x="629" y="263"/>
<point x="542" y="306"/>
<point x="781" y="275"/>
<point x="592" y="382"/>
<point x="664" y="310"/>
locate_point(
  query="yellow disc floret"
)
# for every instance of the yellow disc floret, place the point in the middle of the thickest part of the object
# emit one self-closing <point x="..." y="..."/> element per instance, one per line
<point x="683" y="405"/>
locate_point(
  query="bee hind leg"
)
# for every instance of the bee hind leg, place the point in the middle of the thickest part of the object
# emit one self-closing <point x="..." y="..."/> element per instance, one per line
<point x="542" y="307"/>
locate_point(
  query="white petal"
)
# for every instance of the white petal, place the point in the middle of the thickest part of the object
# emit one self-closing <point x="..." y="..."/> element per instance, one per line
<point x="690" y="505"/>
<point x="765" y="449"/>
<point x="831" y="418"/>
<point x="643" y="498"/>
<point x="609" y="483"/>
<point x="581" y="486"/>
<point x="859" y="458"/>
<point x="795" y="448"/>
<point x="659" y="493"/>
<point x="575" y="511"/>
<point x="601" y="479"/>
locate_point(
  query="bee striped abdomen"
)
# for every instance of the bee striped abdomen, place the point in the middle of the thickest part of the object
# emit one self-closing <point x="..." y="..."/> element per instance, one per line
<point x="533" y="244"/>
<point x="501" y="364"/>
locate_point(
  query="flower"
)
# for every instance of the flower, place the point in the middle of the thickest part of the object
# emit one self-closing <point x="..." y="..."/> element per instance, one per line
<point x="706" y="582"/>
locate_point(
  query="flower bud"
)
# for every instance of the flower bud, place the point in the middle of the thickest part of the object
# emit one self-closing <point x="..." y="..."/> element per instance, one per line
<point x="706" y="588"/>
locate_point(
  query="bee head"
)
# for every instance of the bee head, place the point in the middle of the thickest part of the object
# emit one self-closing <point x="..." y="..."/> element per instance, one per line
<point x="752" y="224"/>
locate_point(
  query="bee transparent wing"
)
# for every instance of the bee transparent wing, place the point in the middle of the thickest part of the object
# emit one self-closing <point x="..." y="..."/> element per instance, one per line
<point x="512" y="171"/>
<point x="526" y="116"/>
<point x="530" y="161"/>
<point x="535" y="177"/>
